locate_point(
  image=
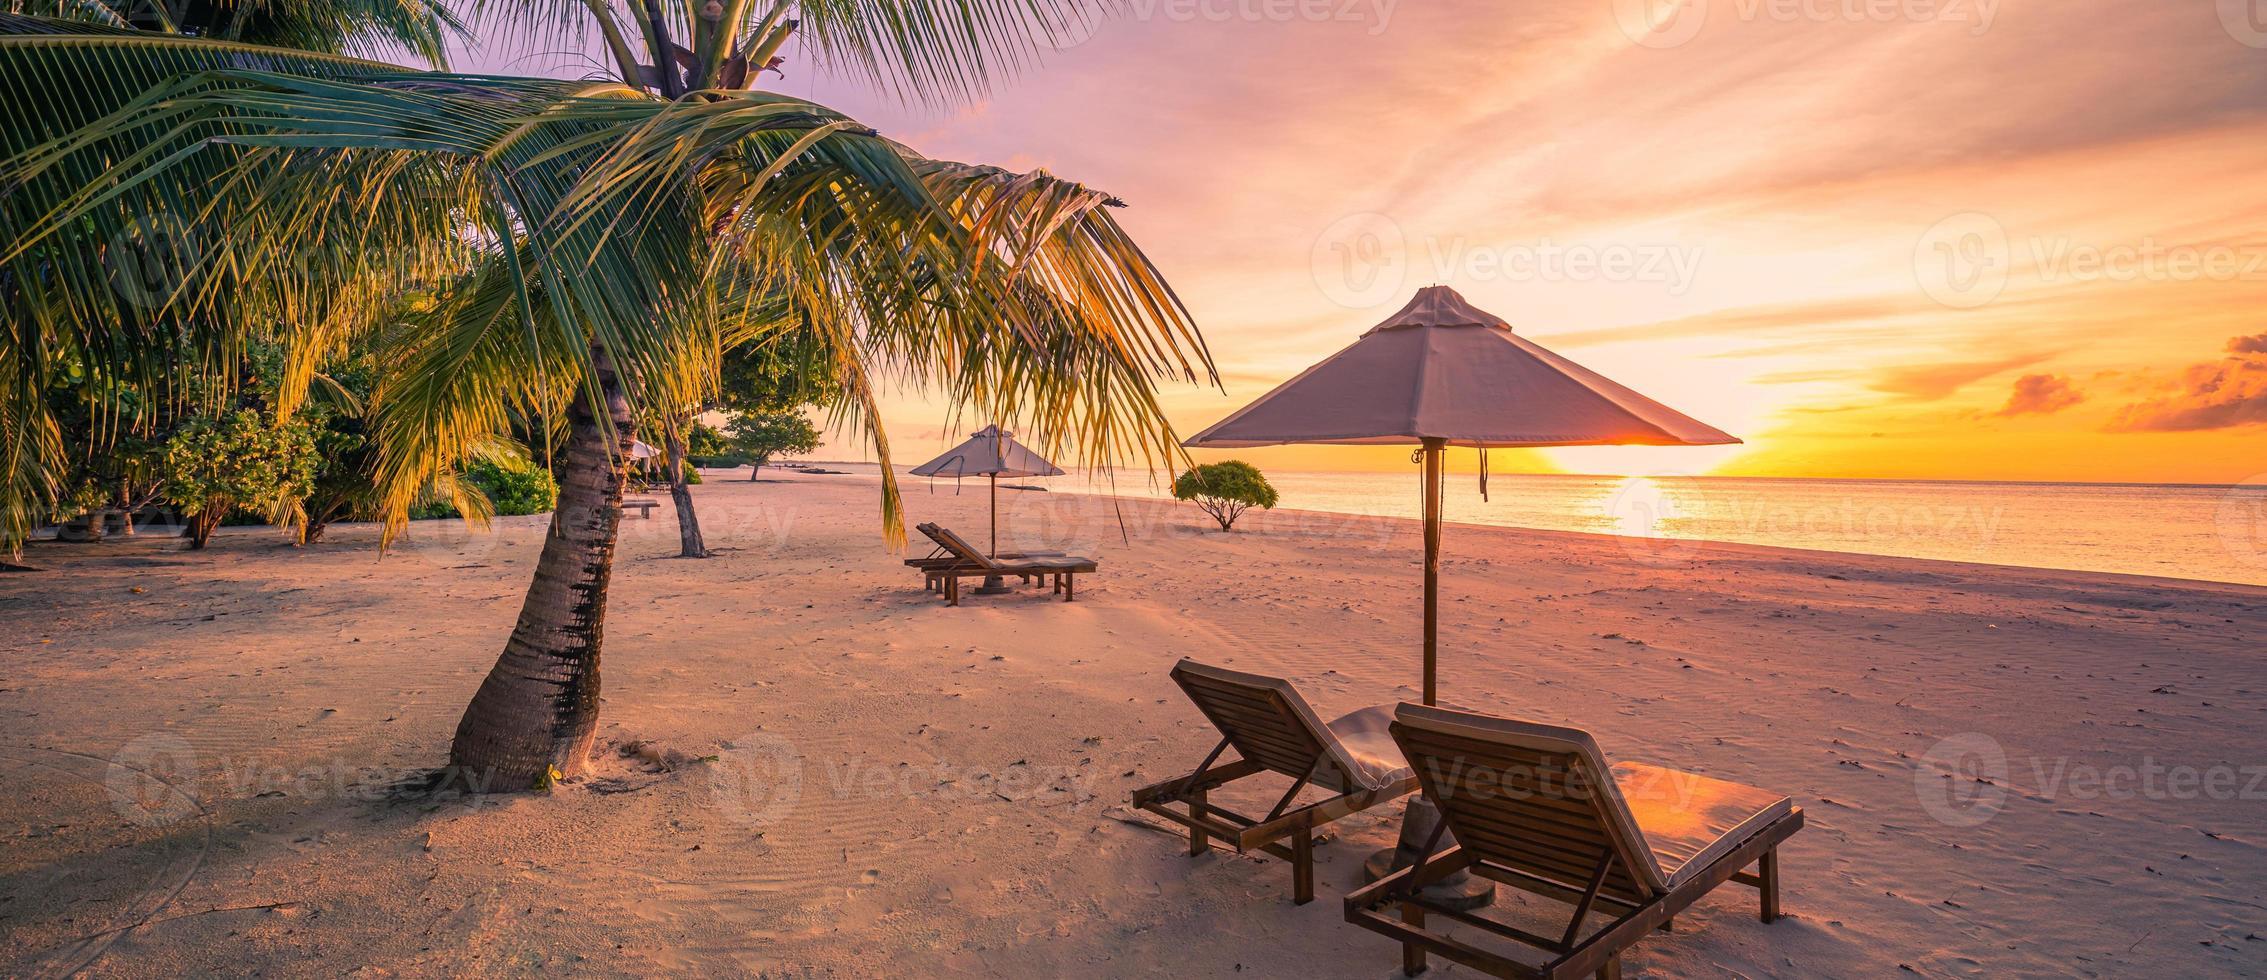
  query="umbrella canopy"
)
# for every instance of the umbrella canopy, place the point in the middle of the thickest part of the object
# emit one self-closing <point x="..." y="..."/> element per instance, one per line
<point x="1445" y="369"/>
<point x="1443" y="372"/>
<point x="990" y="453"/>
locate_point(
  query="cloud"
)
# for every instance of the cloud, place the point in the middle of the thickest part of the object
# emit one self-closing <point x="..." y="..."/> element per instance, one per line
<point x="2254" y="344"/>
<point x="1931" y="382"/>
<point x="2042" y="394"/>
<point x="2210" y="396"/>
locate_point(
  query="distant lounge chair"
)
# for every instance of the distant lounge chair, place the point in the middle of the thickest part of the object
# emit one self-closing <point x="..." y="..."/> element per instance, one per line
<point x="971" y="563"/>
<point x="940" y="560"/>
<point x="1273" y="730"/>
<point x="1535" y="807"/>
<point x="642" y="506"/>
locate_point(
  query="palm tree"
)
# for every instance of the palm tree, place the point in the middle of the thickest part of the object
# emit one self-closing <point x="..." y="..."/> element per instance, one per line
<point x="594" y="245"/>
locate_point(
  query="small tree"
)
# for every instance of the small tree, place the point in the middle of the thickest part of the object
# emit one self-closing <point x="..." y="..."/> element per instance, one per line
<point x="760" y="435"/>
<point x="1225" y="490"/>
<point x="216" y="465"/>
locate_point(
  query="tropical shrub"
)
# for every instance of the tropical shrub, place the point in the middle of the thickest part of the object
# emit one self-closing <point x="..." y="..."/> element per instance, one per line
<point x="238" y="460"/>
<point x="1225" y="490"/>
<point x="513" y="489"/>
<point x="758" y="436"/>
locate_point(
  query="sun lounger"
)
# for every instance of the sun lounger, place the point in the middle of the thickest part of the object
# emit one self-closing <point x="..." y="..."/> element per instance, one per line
<point x="642" y="506"/>
<point x="971" y="563"/>
<point x="1536" y="807"/>
<point x="938" y="561"/>
<point x="1273" y="731"/>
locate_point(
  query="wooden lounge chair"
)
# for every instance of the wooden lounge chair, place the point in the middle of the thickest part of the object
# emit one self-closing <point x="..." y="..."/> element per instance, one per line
<point x="940" y="560"/>
<point x="1537" y="808"/>
<point x="976" y="564"/>
<point x="1273" y="731"/>
<point x="642" y="506"/>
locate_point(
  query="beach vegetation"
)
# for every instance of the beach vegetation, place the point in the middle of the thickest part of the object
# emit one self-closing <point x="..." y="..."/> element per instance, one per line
<point x="758" y="436"/>
<point x="216" y="464"/>
<point x="587" y="250"/>
<point x="1225" y="490"/>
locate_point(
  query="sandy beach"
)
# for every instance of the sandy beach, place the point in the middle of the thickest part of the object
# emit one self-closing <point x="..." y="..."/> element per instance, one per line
<point x="842" y="777"/>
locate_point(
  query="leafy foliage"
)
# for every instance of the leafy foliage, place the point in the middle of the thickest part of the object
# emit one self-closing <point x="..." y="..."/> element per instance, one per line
<point x="758" y="436"/>
<point x="239" y="459"/>
<point x="1225" y="490"/>
<point x="509" y="488"/>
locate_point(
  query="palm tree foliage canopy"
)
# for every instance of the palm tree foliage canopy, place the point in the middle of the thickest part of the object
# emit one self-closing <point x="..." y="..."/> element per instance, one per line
<point x="167" y="194"/>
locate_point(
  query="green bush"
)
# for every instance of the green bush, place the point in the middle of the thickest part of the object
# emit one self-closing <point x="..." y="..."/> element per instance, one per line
<point x="1225" y="490"/>
<point x="514" y="490"/>
<point x="215" y="465"/>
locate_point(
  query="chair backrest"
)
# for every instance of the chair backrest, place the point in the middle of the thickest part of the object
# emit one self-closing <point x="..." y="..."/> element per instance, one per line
<point x="960" y="549"/>
<point x="1268" y="723"/>
<point x="1536" y="799"/>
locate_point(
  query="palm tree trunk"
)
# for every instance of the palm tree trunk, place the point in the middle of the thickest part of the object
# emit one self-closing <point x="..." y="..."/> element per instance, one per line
<point x="538" y="709"/>
<point x="681" y="494"/>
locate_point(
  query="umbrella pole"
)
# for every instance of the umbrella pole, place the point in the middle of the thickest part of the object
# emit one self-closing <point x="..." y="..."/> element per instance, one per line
<point x="1461" y="890"/>
<point x="993" y="584"/>
<point x="1433" y="449"/>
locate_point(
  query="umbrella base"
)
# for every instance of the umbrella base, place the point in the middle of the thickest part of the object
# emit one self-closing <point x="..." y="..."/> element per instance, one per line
<point x="1460" y="891"/>
<point x="992" y="586"/>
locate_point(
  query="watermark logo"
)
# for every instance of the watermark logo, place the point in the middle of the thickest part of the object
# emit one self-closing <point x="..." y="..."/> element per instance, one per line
<point x="1364" y="259"/>
<point x="1371" y="16"/>
<point x="1660" y="23"/>
<point x="150" y="259"/>
<point x="1360" y="260"/>
<point x="2245" y="20"/>
<point x="2242" y="521"/>
<point x="1963" y="261"/>
<point x="1642" y="512"/>
<point x="758" y="780"/>
<point x="1962" y="779"/>
<point x="147" y="780"/>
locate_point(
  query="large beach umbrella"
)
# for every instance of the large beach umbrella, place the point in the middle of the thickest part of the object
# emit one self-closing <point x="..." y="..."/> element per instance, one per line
<point x="1441" y="373"/>
<point x="990" y="453"/>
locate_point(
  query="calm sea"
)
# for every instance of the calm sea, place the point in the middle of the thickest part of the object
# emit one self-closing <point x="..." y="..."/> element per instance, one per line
<point x="2215" y="533"/>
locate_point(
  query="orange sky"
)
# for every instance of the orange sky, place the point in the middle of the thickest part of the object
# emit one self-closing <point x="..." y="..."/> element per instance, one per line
<point x="1962" y="239"/>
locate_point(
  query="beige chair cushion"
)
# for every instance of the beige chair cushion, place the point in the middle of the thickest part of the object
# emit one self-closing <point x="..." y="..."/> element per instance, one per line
<point x="1365" y="739"/>
<point x="1690" y="820"/>
<point x="1366" y="763"/>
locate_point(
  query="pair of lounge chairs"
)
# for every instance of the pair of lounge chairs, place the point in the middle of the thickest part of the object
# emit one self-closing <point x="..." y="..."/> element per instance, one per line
<point x="1533" y="807"/>
<point x="955" y="559"/>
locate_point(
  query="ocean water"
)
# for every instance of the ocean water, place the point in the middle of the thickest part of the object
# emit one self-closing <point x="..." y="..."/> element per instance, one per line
<point x="2213" y="533"/>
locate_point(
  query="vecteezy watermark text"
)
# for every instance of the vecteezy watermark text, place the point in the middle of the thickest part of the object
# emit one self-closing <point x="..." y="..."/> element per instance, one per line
<point x="1965" y="780"/>
<point x="1364" y="259"/>
<point x="1965" y="260"/>
<point x="1671" y="23"/>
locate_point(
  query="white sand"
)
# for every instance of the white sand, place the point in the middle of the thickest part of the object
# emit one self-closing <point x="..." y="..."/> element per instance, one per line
<point x="963" y="771"/>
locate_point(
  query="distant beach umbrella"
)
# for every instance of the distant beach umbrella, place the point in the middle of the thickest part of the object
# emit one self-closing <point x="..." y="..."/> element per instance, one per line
<point x="1441" y="373"/>
<point x="991" y="453"/>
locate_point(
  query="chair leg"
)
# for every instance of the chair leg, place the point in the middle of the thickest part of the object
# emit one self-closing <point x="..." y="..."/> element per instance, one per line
<point x="1611" y="969"/>
<point x="1070" y="587"/>
<point x="1767" y="869"/>
<point x="1199" y="842"/>
<point x="1412" y="955"/>
<point x="1302" y="866"/>
<point x="952" y="590"/>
